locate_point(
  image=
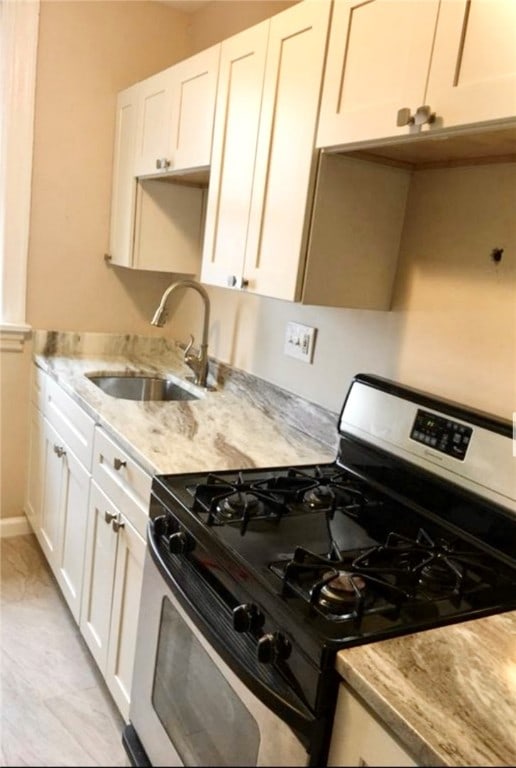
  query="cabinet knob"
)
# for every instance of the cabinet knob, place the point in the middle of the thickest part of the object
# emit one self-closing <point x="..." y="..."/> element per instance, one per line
<point x="119" y="463"/>
<point x="109" y="517"/>
<point x="59" y="450"/>
<point x="404" y="117"/>
<point x="424" y="115"/>
<point x="162" y="164"/>
<point x="118" y="523"/>
<point x="237" y="282"/>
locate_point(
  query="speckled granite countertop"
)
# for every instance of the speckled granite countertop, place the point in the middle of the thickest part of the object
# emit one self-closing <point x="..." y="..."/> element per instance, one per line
<point x="449" y="694"/>
<point x="242" y="422"/>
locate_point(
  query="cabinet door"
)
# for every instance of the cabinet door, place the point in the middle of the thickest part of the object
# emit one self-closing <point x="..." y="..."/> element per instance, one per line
<point x="360" y="739"/>
<point x="53" y="473"/>
<point x="154" y="121"/>
<point x="378" y="59"/>
<point x="286" y="159"/>
<point x="72" y="531"/>
<point x="193" y="109"/>
<point x="123" y="196"/>
<point x="35" y="477"/>
<point x="235" y="136"/>
<point x="99" y="575"/>
<point x="124" y="614"/>
<point x="473" y="72"/>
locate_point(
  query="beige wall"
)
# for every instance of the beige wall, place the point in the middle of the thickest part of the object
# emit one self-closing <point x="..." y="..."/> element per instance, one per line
<point x="223" y="18"/>
<point x="88" y="51"/>
<point x="14" y="397"/>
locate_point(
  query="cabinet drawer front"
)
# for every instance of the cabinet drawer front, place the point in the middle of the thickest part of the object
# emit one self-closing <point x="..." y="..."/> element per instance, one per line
<point x="38" y="387"/>
<point x="127" y="485"/>
<point x="73" y="424"/>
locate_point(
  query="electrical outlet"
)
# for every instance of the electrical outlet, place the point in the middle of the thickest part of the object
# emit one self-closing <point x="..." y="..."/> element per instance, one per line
<point x="300" y="341"/>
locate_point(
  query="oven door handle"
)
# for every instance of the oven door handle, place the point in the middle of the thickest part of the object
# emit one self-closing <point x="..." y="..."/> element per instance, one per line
<point x="263" y="680"/>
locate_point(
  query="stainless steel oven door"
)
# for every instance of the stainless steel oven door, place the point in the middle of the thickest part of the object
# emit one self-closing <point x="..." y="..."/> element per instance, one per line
<point x="187" y="706"/>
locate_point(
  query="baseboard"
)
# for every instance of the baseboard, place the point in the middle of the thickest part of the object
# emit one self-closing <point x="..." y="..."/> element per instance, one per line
<point x="14" y="526"/>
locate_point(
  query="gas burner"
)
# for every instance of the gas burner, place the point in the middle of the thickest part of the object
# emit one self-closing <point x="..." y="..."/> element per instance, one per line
<point x="439" y="576"/>
<point x="340" y="588"/>
<point x="320" y="497"/>
<point x="237" y="505"/>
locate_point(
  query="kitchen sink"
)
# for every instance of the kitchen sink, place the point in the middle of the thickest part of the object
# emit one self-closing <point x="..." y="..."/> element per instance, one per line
<point x="140" y="387"/>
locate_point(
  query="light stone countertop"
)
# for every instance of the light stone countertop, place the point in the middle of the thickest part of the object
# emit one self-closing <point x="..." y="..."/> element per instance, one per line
<point x="243" y="422"/>
<point x="449" y="694"/>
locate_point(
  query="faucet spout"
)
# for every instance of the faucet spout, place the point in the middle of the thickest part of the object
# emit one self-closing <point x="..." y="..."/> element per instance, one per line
<point x="197" y="362"/>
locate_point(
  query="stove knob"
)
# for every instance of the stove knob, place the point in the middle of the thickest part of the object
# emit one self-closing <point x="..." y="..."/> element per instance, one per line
<point x="247" y="617"/>
<point x="273" y="647"/>
<point x="179" y="543"/>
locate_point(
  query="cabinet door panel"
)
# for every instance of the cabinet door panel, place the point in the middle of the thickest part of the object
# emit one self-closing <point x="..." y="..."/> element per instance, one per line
<point x="193" y="109"/>
<point x="378" y="60"/>
<point x="99" y="574"/>
<point x="473" y="71"/>
<point x="124" y="616"/>
<point x="286" y="160"/>
<point x="239" y="95"/>
<point x="124" y="183"/>
<point x="72" y="531"/>
<point x="154" y="121"/>
<point x="48" y="531"/>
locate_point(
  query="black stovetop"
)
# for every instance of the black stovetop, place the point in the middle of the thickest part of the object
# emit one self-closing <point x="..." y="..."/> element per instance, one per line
<point x="331" y="553"/>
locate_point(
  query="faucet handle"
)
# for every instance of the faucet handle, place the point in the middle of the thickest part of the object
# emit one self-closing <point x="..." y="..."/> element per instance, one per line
<point x="189" y="346"/>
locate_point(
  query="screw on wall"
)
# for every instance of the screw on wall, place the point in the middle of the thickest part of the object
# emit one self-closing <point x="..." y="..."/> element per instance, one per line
<point x="496" y="255"/>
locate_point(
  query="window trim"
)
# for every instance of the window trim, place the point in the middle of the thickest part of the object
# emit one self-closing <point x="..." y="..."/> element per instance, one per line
<point x="19" y="24"/>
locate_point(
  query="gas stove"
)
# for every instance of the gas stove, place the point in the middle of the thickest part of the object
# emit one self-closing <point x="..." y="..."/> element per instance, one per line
<point x="413" y="526"/>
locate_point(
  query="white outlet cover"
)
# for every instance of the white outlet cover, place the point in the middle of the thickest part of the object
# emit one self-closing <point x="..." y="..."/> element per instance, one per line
<point x="300" y="341"/>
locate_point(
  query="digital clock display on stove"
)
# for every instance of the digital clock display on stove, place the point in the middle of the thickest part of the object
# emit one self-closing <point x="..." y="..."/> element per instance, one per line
<point x="441" y="434"/>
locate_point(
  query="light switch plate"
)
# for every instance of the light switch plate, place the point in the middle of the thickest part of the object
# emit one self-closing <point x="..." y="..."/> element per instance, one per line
<point x="300" y="341"/>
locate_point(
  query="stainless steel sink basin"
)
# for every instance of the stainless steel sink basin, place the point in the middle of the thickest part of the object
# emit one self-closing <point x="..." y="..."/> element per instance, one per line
<point x="141" y="387"/>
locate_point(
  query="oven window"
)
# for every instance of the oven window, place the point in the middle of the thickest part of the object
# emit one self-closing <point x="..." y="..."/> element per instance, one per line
<point x="204" y="718"/>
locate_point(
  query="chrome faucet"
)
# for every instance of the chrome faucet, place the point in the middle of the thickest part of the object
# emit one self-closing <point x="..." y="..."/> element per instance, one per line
<point x="198" y="362"/>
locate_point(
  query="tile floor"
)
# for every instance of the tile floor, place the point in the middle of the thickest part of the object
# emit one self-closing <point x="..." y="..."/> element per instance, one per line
<point x="54" y="707"/>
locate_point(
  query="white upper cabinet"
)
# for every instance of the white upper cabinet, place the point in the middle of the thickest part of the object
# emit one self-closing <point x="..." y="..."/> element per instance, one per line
<point x="175" y="116"/>
<point x="123" y="194"/>
<point x="153" y="133"/>
<point x="263" y="160"/>
<point x="389" y="59"/>
<point x="286" y="159"/>
<point x="164" y="128"/>
<point x="235" y="136"/>
<point x="193" y="109"/>
<point x="472" y="76"/>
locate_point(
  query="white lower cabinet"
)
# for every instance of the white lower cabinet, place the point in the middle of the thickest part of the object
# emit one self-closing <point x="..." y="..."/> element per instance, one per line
<point x="115" y="550"/>
<point x="359" y="739"/>
<point x="89" y="518"/>
<point x="58" y="487"/>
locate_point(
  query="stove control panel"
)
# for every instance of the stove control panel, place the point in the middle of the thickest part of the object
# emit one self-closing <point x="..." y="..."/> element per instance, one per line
<point x="441" y="434"/>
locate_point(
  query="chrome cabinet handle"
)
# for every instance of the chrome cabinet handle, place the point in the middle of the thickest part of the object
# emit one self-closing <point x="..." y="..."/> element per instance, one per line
<point x="162" y="164"/>
<point x="59" y="450"/>
<point x="404" y="117"/>
<point x="118" y="523"/>
<point x="231" y="281"/>
<point x="109" y="517"/>
<point x="119" y="463"/>
<point x="424" y="115"/>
